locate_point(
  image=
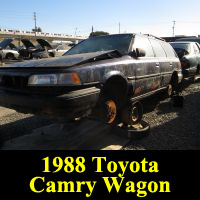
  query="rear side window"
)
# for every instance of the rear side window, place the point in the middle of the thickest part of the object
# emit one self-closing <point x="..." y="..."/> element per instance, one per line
<point x="158" y="50"/>
<point x="143" y="43"/>
<point x="168" y="49"/>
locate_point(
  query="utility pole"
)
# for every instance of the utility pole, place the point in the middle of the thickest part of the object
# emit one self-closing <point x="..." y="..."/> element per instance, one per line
<point x="35" y="20"/>
<point x="92" y="29"/>
<point x="75" y="32"/>
<point x="119" y="28"/>
<point x="173" y="28"/>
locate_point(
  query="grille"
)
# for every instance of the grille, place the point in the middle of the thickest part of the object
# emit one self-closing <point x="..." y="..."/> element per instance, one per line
<point x="14" y="81"/>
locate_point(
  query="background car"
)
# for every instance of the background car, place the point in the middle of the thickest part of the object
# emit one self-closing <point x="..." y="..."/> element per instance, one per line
<point x="26" y="53"/>
<point x="60" y="50"/>
<point x="189" y="55"/>
<point x="35" y="51"/>
<point x="42" y="51"/>
<point x="8" y="50"/>
<point x="189" y="39"/>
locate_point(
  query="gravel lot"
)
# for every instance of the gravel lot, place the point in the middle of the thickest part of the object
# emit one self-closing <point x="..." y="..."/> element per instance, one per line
<point x="171" y="127"/>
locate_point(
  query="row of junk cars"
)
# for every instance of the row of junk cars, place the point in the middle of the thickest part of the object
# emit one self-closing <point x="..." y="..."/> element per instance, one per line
<point x="104" y="77"/>
<point x="42" y="49"/>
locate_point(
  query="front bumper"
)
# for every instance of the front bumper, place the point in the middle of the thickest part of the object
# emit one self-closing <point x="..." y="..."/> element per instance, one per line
<point x="71" y="105"/>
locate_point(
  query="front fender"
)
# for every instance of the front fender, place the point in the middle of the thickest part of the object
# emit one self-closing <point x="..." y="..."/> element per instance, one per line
<point x="110" y="74"/>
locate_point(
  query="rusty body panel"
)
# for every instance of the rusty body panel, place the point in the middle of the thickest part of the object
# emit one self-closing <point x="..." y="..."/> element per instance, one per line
<point x="143" y="75"/>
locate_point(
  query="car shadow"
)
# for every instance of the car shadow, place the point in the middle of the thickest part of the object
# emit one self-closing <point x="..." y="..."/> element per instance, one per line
<point x="21" y="127"/>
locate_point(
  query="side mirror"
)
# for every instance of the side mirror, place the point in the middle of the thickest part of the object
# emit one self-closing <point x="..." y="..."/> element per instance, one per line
<point x="1" y="48"/>
<point x="137" y="53"/>
<point x="133" y="54"/>
<point x="140" y="52"/>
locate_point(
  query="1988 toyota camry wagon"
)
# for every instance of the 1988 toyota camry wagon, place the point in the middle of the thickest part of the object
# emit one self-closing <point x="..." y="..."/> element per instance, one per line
<point x="106" y="76"/>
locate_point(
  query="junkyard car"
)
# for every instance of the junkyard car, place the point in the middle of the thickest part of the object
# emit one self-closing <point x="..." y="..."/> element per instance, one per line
<point x="42" y="52"/>
<point x="60" y="50"/>
<point x="189" y="39"/>
<point x="8" y="50"/>
<point x="26" y="53"/>
<point x="31" y="51"/>
<point x="189" y="54"/>
<point x="103" y="76"/>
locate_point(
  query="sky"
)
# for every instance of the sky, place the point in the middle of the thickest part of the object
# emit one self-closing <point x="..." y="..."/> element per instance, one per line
<point x="78" y="16"/>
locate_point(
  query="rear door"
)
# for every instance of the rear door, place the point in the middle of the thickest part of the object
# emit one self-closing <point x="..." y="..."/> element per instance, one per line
<point x="147" y="72"/>
<point x="172" y="64"/>
<point x="166" y="65"/>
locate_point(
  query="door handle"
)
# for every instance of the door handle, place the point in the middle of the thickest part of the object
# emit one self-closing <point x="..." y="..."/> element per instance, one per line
<point x="157" y="64"/>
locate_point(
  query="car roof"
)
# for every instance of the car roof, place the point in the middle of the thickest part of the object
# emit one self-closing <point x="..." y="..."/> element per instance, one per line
<point x="133" y="34"/>
<point x="192" y="39"/>
<point x="182" y="42"/>
<point x="115" y="35"/>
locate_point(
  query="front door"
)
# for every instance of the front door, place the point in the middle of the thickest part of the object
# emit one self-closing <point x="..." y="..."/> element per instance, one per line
<point x="147" y="69"/>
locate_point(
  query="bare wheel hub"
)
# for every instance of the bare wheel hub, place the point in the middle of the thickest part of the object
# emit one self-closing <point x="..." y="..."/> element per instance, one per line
<point x="111" y="109"/>
<point x="169" y="90"/>
<point x="135" y="114"/>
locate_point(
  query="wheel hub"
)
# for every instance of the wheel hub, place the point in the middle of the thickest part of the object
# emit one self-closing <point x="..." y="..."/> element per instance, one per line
<point x="169" y="90"/>
<point x="111" y="111"/>
<point x="134" y="114"/>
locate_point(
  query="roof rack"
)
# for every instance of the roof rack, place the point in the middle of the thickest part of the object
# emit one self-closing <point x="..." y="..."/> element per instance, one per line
<point x="155" y="37"/>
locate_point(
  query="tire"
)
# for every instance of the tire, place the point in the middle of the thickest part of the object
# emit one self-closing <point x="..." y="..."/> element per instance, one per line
<point x="198" y="69"/>
<point x="51" y="54"/>
<point x="193" y="79"/>
<point x="10" y="56"/>
<point x="132" y="113"/>
<point x="174" y="84"/>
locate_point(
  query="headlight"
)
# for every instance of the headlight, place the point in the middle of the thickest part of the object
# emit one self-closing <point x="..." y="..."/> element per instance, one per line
<point x="64" y="79"/>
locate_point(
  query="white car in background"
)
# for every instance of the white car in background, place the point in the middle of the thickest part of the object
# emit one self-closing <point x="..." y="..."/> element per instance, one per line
<point x="8" y="50"/>
<point x="60" y="50"/>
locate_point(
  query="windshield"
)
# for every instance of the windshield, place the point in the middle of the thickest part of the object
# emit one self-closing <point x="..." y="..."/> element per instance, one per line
<point x="178" y="46"/>
<point x="103" y="43"/>
<point x="5" y="43"/>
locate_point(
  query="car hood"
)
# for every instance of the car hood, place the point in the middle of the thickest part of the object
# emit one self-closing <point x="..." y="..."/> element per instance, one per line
<point x="27" y="43"/>
<point x="69" y="60"/>
<point x="12" y="46"/>
<point x="44" y="43"/>
<point x="5" y="43"/>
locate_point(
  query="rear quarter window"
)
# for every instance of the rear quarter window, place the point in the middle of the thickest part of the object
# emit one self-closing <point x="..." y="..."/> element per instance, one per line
<point x="158" y="49"/>
<point x="168" y="49"/>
